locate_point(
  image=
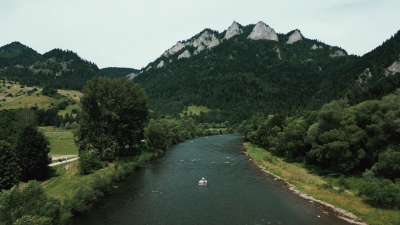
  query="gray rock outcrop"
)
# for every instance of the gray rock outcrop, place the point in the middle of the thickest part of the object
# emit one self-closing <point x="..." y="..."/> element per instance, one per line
<point x="185" y="54"/>
<point x="296" y="36"/>
<point x="214" y="42"/>
<point x="149" y="68"/>
<point x="233" y="30"/>
<point x="364" y="76"/>
<point x="394" y="68"/>
<point x="176" y="48"/>
<point x="279" y="53"/>
<point x="337" y="53"/>
<point x="316" y="47"/>
<point x="132" y="75"/>
<point x="161" y="64"/>
<point x="263" y="32"/>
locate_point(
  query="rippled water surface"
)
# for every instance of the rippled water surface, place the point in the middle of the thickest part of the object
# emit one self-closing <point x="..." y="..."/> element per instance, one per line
<point x="166" y="191"/>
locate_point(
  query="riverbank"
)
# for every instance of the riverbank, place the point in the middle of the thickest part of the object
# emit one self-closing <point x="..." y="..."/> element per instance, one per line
<point x="303" y="182"/>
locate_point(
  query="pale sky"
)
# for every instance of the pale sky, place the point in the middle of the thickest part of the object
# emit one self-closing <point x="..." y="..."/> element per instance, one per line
<point x="122" y="33"/>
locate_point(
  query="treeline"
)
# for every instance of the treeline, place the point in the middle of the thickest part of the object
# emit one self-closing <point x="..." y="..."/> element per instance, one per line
<point x="117" y="72"/>
<point x="32" y="203"/>
<point x="240" y="77"/>
<point x="16" y="53"/>
<point x="348" y="139"/>
<point x="57" y="69"/>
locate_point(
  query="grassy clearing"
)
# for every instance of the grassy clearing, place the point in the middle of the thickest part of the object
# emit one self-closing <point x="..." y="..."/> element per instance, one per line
<point x="41" y="101"/>
<point x="69" y="110"/>
<point x="62" y="177"/>
<point x="309" y="179"/>
<point x="61" y="142"/>
<point x="71" y="93"/>
<point x="196" y="110"/>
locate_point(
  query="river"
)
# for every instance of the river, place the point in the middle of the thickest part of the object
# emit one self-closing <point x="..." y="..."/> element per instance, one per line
<point x="166" y="191"/>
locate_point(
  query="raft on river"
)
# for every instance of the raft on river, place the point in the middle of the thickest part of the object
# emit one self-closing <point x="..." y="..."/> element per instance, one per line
<point x="203" y="182"/>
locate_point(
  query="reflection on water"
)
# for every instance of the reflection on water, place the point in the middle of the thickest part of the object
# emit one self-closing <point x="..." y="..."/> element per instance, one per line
<point x="166" y="191"/>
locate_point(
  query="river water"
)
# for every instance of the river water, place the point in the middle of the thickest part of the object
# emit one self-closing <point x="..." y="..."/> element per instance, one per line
<point x="166" y="191"/>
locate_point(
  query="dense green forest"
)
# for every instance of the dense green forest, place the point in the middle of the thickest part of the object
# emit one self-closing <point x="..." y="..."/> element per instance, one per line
<point x="359" y="139"/>
<point x="240" y="77"/>
<point x="16" y="53"/>
<point x="117" y="72"/>
<point x="59" y="69"/>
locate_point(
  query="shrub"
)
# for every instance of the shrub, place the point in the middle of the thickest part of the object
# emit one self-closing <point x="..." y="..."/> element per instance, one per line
<point x="22" y="86"/>
<point x="27" y="203"/>
<point x="344" y="183"/>
<point x="90" y="161"/>
<point x="384" y="192"/>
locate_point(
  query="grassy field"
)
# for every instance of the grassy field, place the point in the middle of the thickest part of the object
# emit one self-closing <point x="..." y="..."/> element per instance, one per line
<point x="62" y="143"/>
<point x="196" y="110"/>
<point x="62" y="177"/>
<point x="41" y="101"/>
<point x="308" y="179"/>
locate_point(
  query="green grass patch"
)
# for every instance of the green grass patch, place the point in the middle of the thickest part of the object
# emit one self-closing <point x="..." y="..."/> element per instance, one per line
<point x="61" y="142"/>
<point x="21" y="100"/>
<point x="69" y="110"/>
<point x="195" y="110"/>
<point x="314" y="181"/>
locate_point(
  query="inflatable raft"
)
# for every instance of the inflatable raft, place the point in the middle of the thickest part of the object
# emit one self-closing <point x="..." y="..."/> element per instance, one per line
<point x="203" y="182"/>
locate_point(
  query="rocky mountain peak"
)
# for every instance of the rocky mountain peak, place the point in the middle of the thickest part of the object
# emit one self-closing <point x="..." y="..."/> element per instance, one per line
<point x="261" y="31"/>
<point x="233" y="30"/>
<point x="296" y="36"/>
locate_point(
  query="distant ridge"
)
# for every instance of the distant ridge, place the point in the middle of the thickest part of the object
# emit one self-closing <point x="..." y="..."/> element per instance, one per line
<point x="117" y="72"/>
<point x="16" y="53"/>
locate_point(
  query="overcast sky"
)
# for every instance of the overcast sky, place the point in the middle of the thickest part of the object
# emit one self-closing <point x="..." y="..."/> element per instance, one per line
<point x="122" y="33"/>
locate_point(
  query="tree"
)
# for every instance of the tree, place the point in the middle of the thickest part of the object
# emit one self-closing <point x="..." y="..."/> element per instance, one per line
<point x="32" y="152"/>
<point x="9" y="169"/>
<point x="113" y="116"/>
<point x="29" y="205"/>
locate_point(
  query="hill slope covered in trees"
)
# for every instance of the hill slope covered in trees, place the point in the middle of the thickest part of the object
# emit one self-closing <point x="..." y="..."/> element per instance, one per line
<point x="16" y="53"/>
<point x="237" y="74"/>
<point x="59" y="69"/>
<point x="117" y="72"/>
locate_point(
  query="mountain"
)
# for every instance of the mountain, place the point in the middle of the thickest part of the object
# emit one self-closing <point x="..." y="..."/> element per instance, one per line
<point x="117" y="72"/>
<point x="244" y="70"/>
<point x="16" y="53"/>
<point x="376" y="74"/>
<point x="60" y="69"/>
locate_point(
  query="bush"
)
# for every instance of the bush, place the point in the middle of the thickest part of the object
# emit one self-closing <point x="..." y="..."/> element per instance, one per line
<point x="384" y="192"/>
<point x="90" y="161"/>
<point x="19" y="206"/>
<point x="344" y="183"/>
<point x="22" y="86"/>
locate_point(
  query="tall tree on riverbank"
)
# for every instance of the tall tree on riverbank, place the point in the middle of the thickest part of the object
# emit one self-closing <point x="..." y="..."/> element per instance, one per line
<point x="32" y="153"/>
<point x="9" y="168"/>
<point x="113" y="116"/>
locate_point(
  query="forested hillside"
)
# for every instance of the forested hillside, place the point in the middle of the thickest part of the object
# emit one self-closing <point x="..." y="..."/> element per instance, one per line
<point x="117" y="72"/>
<point x="59" y="69"/>
<point x="241" y="76"/>
<point x="375" y="72"/>
<point x="16" y="53"/>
